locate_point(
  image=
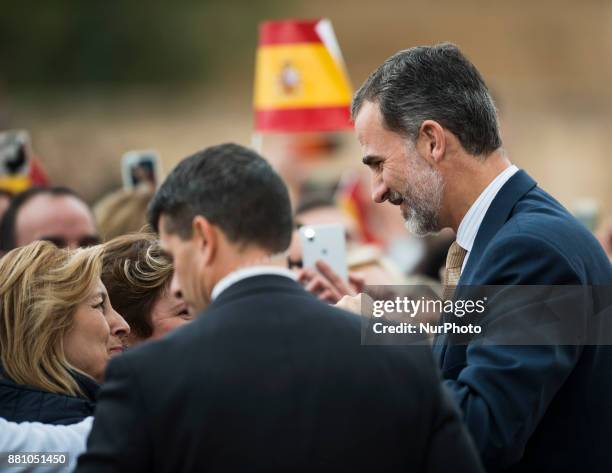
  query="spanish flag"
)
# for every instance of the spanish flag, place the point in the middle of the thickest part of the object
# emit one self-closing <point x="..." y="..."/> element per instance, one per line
<point x="300" y="80"/>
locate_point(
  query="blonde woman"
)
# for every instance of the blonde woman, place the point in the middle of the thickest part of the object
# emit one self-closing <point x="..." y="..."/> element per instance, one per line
<point x="58" y="331"/>
<point x="138" y="277"/>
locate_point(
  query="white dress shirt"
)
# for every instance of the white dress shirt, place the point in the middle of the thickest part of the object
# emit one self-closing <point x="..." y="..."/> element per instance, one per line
<point x="468" y="228"/>
<point x="34" y="437"/>
<point x="249" y="272"/>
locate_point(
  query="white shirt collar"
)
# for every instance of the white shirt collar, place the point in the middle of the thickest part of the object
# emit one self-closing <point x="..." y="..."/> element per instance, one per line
<point x="244" y="273"/>
<point x="468" y="228"/>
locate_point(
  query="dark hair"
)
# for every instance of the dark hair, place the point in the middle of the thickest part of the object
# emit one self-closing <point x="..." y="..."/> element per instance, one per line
<point x="315" y="200"/>
<point x="8" y="237"/>
<point x="136" y="273"/>
<point x="437" y="83"/>
<point x="233" y="188"/>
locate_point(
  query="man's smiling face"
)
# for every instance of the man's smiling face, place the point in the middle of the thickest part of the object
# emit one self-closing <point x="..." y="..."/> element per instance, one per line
<point x="399" y="174"/>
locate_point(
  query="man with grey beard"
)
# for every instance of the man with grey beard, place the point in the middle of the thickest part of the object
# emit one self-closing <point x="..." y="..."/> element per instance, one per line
<point x="429" y="133"/>
<point x="421" y="197"/>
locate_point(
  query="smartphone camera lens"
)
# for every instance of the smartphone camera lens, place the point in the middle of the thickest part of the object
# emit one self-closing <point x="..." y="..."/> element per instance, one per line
<point x="309" y="233"/>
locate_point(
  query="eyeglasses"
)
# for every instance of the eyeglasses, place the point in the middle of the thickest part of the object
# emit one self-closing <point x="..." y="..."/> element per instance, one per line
<point x="294" y="264"/>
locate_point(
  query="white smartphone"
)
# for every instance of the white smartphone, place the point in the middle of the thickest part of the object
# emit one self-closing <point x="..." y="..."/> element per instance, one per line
<point x="140" y="167"/>
<point x="324" y="242"/>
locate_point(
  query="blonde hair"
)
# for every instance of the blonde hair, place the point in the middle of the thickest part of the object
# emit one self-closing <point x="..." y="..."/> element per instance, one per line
<point x="123" y="211"/>
<point x="136" y="272"/>
<point x="41" y="287"/>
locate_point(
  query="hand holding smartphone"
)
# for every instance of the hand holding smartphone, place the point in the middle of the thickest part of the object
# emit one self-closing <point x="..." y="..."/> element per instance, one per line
<point x="324" y="242"/>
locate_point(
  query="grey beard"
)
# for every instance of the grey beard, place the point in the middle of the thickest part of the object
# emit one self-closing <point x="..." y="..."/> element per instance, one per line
<point x="424" y="200"/>
<point x="421" y="224"/>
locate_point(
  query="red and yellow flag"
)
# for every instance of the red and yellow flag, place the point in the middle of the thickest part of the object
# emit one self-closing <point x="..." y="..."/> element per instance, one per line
<point x="300" y="80"/>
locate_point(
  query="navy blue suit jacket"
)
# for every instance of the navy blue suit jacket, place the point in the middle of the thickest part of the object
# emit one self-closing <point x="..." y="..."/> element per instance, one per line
<point x="534" y="408"/>
<point x="270" y="379"/>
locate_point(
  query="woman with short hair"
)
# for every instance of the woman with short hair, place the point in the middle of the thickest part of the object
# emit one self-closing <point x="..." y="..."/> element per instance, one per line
<point x="138" y="276"/>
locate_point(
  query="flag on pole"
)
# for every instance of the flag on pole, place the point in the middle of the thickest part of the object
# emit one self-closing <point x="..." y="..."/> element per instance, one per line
<point x="300" y="80"/>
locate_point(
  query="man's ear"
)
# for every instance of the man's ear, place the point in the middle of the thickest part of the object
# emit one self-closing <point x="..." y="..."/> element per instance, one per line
<point x="205" y="237"/>
<point x="431" y="142"/>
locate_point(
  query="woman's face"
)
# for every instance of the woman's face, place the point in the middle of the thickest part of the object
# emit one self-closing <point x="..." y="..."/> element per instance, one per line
<point x="97" y="335"/>
<point x="168" y="313"/>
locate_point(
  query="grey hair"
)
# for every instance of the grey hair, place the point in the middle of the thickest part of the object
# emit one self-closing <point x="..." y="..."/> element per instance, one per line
<point x="433" y="83"/>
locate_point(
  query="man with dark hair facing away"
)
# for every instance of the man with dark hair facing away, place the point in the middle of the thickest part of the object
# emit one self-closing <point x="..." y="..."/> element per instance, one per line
<point x="267" y="378"/>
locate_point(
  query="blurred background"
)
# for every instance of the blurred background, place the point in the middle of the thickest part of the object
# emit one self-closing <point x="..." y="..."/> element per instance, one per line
<point x="91" y="80"/>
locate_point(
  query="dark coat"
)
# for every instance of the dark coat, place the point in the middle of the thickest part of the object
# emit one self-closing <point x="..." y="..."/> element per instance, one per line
<point x="546" y="407"/>
<point x="22" y="403"/>
<point x="271" y="379"/>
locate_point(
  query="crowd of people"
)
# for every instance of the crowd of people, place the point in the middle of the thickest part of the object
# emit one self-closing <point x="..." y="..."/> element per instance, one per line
<point x="175" y="329"/>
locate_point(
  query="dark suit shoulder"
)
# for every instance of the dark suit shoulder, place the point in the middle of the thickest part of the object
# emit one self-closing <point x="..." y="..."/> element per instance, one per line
<point x="264" y="328"/>
<point x="539" y="215"/>
<point x="541" y="243"/>
<point x="269" y="378"/>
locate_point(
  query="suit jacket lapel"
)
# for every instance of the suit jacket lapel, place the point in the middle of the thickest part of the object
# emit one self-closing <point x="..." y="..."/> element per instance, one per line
<point x="497" y="214"/>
